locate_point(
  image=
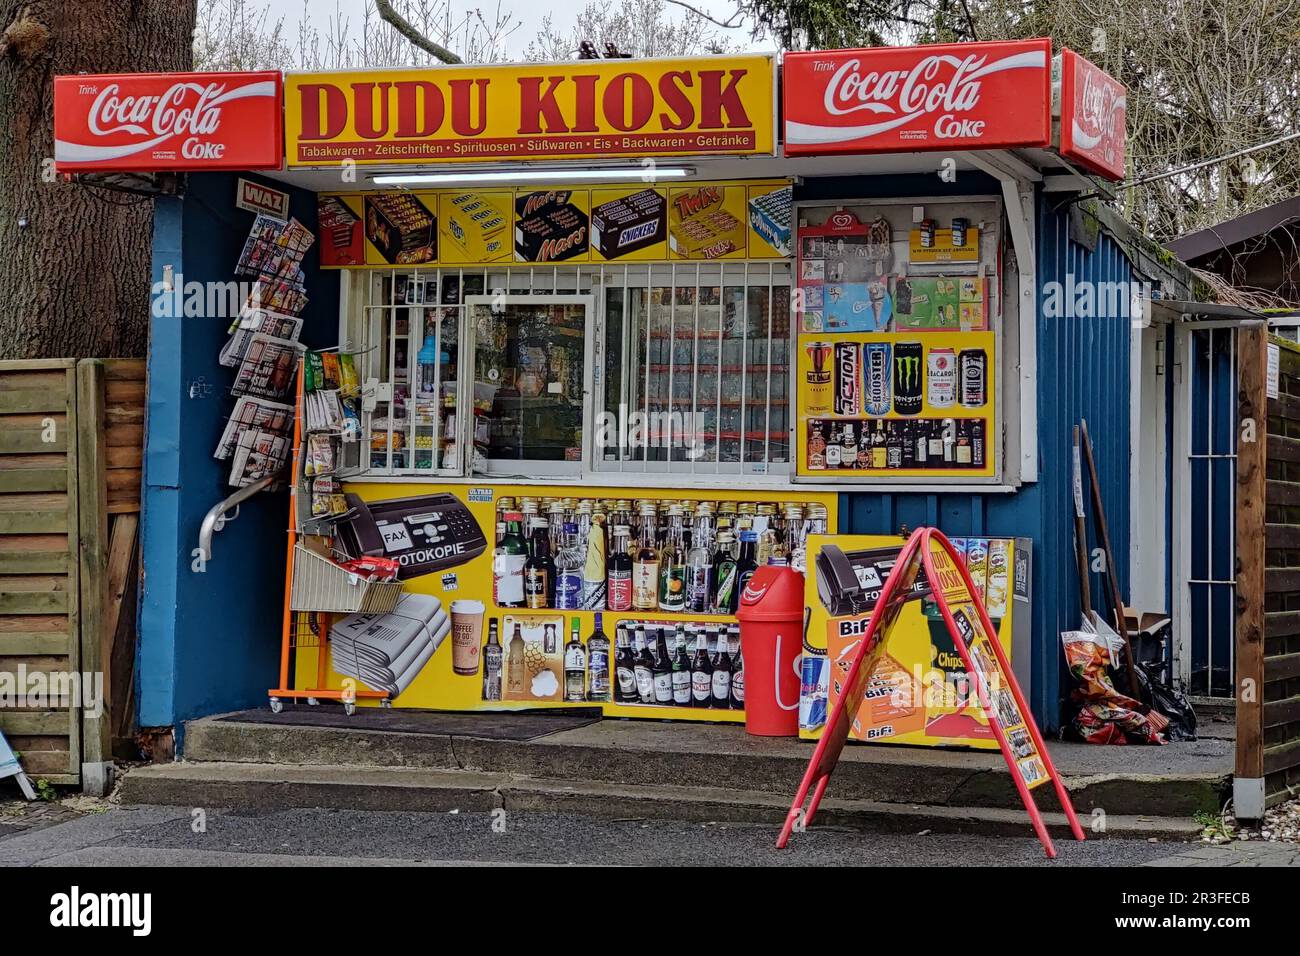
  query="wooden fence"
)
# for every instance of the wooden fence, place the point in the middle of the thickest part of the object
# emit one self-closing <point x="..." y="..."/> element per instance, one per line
<point x="1268" y="572"/>
<point x="71" y="441"/>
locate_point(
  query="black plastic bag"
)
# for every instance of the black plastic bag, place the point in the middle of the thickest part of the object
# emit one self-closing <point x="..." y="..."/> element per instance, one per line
<point x="1169" y="702"/>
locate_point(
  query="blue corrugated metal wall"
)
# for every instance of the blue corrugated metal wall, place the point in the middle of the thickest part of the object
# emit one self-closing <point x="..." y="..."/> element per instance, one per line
<point x="1083" y="372"/>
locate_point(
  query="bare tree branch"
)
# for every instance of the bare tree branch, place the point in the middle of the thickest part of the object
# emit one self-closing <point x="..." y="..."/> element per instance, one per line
<point x="733" y="22"/>
<point x="402" y="26"/>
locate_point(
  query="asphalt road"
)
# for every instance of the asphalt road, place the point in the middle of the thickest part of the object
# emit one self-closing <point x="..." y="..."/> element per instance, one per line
<point x="170" y="836"/>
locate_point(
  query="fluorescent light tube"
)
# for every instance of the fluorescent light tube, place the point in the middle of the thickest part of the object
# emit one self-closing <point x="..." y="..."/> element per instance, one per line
<point x="628" y="174"/>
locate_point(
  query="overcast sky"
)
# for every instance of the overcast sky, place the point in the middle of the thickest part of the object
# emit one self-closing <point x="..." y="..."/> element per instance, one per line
<point x="528" y="12"/>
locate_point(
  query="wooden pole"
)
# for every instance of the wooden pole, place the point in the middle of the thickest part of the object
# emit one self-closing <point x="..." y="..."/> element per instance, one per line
<point x="1252" y="474"/>
<point x="1112" y="580"/>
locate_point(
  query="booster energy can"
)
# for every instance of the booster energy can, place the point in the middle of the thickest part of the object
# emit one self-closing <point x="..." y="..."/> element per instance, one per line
<point x="848" y="379"/>
<point x="909" y="376"/>
<point x="875" y="362"/>
<point x="817" y="397"/>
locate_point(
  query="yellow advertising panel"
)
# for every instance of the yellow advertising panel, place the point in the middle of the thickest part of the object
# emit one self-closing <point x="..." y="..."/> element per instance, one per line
<point x="550" y="111"/>
<point x="630" y="222"/>
<point x="919" y="691"/>
<point x="897" y="404"/>
<point x="455" y="640"/>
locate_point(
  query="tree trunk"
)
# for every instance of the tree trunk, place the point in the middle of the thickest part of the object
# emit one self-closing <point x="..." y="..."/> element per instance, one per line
<point x="74" y="260"/>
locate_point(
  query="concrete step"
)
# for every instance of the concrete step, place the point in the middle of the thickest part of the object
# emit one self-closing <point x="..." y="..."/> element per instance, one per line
<point x="1142" y="782"/>
<point x="271" y="786"/>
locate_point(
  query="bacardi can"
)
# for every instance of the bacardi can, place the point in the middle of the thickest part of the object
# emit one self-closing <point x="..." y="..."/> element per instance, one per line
<point x="941" y="375"/>
<point x="973" y="368"/>
<point x="909" y="374"/>
<point x="848" y="379"/>
<point x="875" y="363"/>
<point x="817" y="397"/>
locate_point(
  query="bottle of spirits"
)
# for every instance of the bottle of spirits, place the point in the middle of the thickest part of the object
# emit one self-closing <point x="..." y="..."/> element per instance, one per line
<point x="591" y="540"/>
<point x="625" y="686"/>
<point x="893" y="446"/>
<point x="721" y="686"/>
<point x="681" y="671"/>
<point x="645" y="567"/>
<point x="663" y="671"/>
<point x="977" y="444"/>
<point x="745" y="567"/>
<point x="492" y="663"/>
<point x="644" y="669"/>
<point x="935" y="452"/>
<point x="575" y="664"/>
<point x="569" y="569"/>
<point x="879" y="447"/>
<point x="539" y="570"/>
<point x="963" y="450"/>
<point x="508" y="563"/>
<point x="816" y="449"/>
<point x="598" y="663"/>
<point x="702" y="672"/>
<point x="515" y="665"/>
<point x="618" y="567"/>
<point x="699" y="566"/>
<point x="907" y="438"/>
<point x="725" y="563"/>
<point x="672" y="566"/>
<point x="848" y="448"/>
<point x="834" y="448"/>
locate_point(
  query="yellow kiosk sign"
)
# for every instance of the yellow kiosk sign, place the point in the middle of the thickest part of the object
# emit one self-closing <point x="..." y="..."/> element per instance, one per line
<point x="609" y="108"/>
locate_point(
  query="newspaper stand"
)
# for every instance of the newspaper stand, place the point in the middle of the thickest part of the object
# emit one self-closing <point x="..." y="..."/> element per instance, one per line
<point x="975" y="638"/>
<point x="311" y="579"/>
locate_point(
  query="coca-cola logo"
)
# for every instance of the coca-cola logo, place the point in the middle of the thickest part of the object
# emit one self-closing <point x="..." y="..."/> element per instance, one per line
<point x="926" y="97"/>
<point x="1099" y="110"/>
<point x="166" y="121"/>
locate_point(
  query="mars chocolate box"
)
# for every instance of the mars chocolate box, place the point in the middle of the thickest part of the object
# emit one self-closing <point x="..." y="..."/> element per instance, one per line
<point x="549" y="228"/>
<point x="629" y="223"/>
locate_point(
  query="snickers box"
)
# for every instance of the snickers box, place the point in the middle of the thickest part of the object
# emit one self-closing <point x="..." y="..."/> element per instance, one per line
<point x="549" y="227"/>
<point x="401" y="228"/>
<point x="628" y="223"/>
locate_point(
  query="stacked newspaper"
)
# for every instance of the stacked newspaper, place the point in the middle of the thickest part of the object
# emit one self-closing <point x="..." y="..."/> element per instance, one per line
<point x="387" y="651"/>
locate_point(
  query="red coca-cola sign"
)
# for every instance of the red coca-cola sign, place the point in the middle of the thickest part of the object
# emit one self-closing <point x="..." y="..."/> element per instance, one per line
<point x="903" y="99"/>
<point x="146" y="122"/>
<point x="1093" y="114"/>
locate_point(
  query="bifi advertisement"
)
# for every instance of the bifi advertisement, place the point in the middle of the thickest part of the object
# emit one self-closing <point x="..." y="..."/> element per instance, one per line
<point x="496" y="576"/>
<point x="919" y="691"/>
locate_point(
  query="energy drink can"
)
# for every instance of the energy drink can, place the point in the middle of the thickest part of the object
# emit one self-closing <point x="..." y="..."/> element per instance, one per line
<point x="941" y="375"/>
<point x="817" y="397"/>
<point x="959" y="229"/>
<point x="973" y="370"/>
<point x="875" y="362"/>
<point x="909" y="375"/>
<point x="848" y="379"/>
<point x="814" y="690"/>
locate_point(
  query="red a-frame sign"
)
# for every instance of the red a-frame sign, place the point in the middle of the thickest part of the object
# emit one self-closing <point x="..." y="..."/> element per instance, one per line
<point x="976" y="641"/>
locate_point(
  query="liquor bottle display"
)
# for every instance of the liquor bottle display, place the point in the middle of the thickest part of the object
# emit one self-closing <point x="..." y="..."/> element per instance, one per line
<point x="680" y="557"/>
<point x="913" y="444"/>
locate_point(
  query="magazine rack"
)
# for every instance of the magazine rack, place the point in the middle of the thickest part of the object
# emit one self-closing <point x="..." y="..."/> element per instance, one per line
<point x="310" y="580"/>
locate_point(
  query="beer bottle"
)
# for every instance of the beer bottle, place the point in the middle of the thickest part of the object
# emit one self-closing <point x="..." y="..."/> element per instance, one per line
<point x="702" y="672"/>
<point x="645" y="669"/>
<point x="681" y="671"/>
<point x="737" y="697"/>
<point x="575" y="665"/>
<point x="663" y="671"/>
<point x="598" y="663"/>
<point x="721" y="687"/>
<point x="625" y="687"/>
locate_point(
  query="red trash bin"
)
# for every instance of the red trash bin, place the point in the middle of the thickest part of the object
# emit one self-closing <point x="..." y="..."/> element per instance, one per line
<point x="771" y="640"/>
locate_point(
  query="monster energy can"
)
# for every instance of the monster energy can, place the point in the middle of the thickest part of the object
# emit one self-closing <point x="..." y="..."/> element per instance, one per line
<point x="875" y="363"/>
<point x="909" y="374"/>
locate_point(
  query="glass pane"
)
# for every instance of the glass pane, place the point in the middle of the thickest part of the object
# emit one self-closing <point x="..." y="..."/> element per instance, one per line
<point x="529" y="361"/>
